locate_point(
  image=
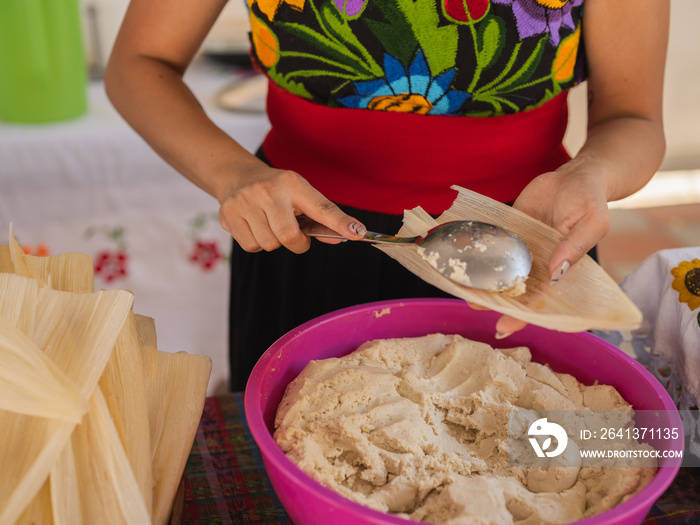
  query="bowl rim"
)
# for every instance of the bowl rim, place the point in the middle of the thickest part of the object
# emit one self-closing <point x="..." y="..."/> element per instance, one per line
<point x="273" y="455"/>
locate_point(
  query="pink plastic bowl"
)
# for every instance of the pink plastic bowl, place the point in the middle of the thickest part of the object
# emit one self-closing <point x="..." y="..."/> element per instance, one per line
<point x="585" y="356"/>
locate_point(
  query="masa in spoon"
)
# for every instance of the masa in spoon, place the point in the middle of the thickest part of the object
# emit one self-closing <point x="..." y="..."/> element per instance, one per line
<point x="470" y="253"/>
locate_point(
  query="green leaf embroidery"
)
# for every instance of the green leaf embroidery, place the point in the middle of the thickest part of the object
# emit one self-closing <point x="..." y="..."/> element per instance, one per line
<point x="339" y="45"/>
<point x="496" y="101"/>
<point x="315" y="72"/>
<point x="293" y="87"/>
<point x="394" y="34"/>
<point x="504" y="73"/>
<point x="525" y="71"/>
<point x="337" y="28"/>
<point x="351" y="71"/>
<point x="439" y="44"/>
<point x="489" y="43"/>
<point x="331" y="48"/>
<point x="500" y="86"/>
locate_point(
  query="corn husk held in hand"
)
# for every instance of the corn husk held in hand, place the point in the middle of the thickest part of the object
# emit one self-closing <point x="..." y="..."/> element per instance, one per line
<point x="92" y="431"/>
<point x="585" y="298"/>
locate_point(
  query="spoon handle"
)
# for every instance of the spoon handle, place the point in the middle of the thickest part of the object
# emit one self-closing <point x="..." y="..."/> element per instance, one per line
<point x="311" y="228"/>
<point x="372" y="237"/>
<point x="388" y="239"/>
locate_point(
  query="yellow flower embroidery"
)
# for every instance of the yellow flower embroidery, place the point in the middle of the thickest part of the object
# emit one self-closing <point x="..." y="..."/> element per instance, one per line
<point x="553" y="4"/>
<point x="563" y="65"/>
<point x="402" y="103"/>
<point x="687" y="283"/>
<point x="264" y="41"/>
<point x="270" y="7"/>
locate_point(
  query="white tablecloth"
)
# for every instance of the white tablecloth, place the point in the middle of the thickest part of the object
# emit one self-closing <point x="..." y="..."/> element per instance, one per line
<point x="92" y="185"/>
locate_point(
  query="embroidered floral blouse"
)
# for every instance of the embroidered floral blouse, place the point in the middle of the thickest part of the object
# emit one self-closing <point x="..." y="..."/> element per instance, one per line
<point x="437" y="57"/>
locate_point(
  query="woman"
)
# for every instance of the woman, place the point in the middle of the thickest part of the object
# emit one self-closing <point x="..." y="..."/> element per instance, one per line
<point x="380" y="106"/>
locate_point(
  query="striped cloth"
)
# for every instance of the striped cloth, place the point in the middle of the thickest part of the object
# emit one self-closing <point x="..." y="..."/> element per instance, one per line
<point x="225" y="480"/>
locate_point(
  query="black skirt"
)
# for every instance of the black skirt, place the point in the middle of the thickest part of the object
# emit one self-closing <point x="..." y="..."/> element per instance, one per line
<point x="274" y="292"/>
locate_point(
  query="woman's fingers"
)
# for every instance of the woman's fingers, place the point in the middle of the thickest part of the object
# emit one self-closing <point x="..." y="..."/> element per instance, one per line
<point x="579" y="240"/>
<point x="262" y="215"/>
<point x="316" y="207"/>
<point x="475" y="306"/>
<point x="506" y="325"/>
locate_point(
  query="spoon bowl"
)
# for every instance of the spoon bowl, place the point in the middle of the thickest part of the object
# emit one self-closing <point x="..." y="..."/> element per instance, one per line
<point x="470" y="253"/>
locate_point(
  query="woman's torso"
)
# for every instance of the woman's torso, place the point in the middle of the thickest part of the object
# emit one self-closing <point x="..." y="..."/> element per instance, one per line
<point x="363" y="94"/>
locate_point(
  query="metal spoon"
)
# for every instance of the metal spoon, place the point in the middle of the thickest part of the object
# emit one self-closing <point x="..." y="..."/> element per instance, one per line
<point x="470" y="253"/>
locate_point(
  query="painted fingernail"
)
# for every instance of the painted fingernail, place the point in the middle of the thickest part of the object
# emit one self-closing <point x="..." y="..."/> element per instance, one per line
<point x="559" y="272"/>
<point x="358" y="228"/>
<point x="503" y="335"/>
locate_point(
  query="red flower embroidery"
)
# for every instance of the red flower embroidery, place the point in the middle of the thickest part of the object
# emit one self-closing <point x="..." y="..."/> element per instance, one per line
<point x="111" y="265"/>
<point x="206" y="254"/>
<point x="466" y="11"/>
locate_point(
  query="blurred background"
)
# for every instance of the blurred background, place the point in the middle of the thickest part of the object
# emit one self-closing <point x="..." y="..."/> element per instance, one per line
<point x="666" y="213"/>
<point x="81" y="180"/>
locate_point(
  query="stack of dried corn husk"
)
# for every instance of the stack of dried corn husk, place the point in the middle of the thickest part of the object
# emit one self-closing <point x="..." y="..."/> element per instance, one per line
<point x="96" y="424"/>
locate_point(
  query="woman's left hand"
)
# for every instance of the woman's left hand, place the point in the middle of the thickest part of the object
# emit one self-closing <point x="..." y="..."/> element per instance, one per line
<point x="573" y="201"/>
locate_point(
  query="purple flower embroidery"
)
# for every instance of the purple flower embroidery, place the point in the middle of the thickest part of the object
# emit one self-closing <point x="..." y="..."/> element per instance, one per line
<point x="350" y="7"/>
<point x="534" y="17"/>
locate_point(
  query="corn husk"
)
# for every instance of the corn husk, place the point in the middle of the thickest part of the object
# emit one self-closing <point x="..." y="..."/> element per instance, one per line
<point x="77" y="332"/>
<point x="20" y="261"/>
<point x="18" y="300"/>
<point x="586" y="298"/>
<point x="124" y="388"/>
<point x="6" y="265"/>
<point x="181" y="379"/>
<point x="40" y="510"/>
<point x="85" y="390"/>
<point x="71" y="272"/>
<point x="146" y="329"/>
<point x="109" y="491"/>
<point x="65" y="501"/>
<point x="22" y="366"/>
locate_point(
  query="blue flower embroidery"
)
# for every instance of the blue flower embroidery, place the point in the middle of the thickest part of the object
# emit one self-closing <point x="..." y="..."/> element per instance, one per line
<point x="408" y="91"/>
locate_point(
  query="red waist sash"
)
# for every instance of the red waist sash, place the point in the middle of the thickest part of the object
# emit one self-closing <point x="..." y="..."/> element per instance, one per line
<point x="390" y="162"/>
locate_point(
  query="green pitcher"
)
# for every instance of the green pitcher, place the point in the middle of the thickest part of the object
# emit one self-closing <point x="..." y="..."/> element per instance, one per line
<point x="43" y="71"/>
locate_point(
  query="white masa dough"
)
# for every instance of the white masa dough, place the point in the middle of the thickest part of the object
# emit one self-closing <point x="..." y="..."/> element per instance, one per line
<point x="418" y="427"/>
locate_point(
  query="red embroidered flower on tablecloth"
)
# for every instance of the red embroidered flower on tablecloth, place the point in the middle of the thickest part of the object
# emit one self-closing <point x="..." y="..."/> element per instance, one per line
<point x="206" y="254"/>
<point x="111" y="265"/>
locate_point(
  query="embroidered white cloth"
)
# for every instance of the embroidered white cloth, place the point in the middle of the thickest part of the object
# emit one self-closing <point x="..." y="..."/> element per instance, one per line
<point x="666" y="288"/>
<point x="92" y="185"/>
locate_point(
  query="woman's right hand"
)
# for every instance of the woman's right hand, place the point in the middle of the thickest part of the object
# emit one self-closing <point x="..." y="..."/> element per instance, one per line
<point x="262" y="208"/>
